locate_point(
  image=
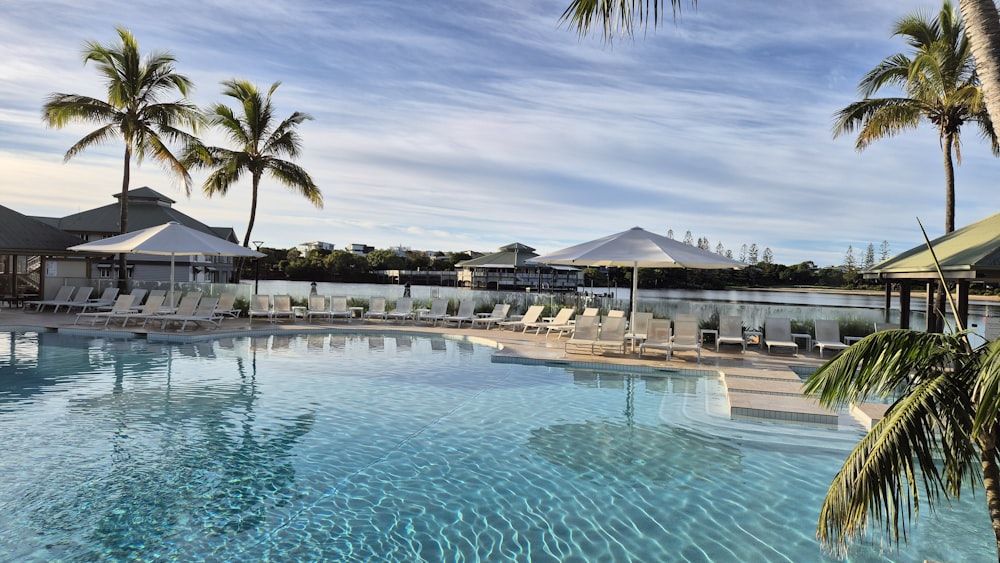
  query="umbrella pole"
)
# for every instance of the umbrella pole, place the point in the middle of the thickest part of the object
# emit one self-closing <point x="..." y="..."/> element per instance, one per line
<point x="635" y="289"/>
<point x="172" y="302"/>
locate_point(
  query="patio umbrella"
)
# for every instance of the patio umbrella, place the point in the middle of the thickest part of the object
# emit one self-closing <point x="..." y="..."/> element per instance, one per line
<point x="638" y="248"/>
<point x="169" y="239"/>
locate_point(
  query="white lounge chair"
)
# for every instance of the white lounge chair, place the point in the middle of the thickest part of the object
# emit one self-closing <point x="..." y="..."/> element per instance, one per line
<point x="339" y="308"/>
<point x="151" y="308"/>
<point x="204" y="313"/>
<point x="260" y="306"/>
<point x="585" y="334"/>
<point x="637" y="327"/>
<point x="62" y="296"/>
<point x="613" y="313"/>
<point x="828" y="336"/>
<point x="466" y="313"/>
<point x="778" y="334"/>
<point x="530" y="316"/>
<point x="227" y="306"/>
<point x="282" y="308"/>
<point x="376" y="308"/>
<point x="685" y="337"/>
<point x="438" y="312"/>
<point x="611" y="336"/>
<point x="186" y="308"/>
<point x="402" y="311"/>
<point x="80" y="297"/>
<point x="105" y="301"/>
<point x="563" y="322"/>
<point x="658" y="337"/>
<point x="122" y="304"/>
<point x="731" y="332"/>
<point x="497" y="315"/>
<point x="316" y="307"/>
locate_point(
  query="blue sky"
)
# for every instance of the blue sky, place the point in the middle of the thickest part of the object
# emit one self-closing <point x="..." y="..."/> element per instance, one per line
<point x="454" y="125"/>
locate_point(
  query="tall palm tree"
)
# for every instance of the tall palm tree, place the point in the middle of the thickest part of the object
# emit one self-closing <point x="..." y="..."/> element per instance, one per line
<point x="940" y="85"/>
<point x="982" y="25"/>
<point x="261" y="144"/>
<point x="134" y="110"/>
<point x="938" y="437"/>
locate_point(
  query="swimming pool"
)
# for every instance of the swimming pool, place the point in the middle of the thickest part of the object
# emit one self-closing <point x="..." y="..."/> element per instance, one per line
<point x="395" y="447"/>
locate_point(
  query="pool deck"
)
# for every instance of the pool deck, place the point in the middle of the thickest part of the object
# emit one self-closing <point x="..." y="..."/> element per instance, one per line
<point x="759" y="386"/>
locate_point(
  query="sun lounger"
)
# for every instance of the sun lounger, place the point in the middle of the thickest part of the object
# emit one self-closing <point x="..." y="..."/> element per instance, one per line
<point x="203" y="313"/>
<point x="778" y="334"/>
<point x="611" y="336"/>
<point x="339" y="308"/>
<point x="828" y="336"/>
<point x="466" y="313"/>
<point x="658" y="337"/>
<point x="106" y="300"/>
<point x="282" y="308"/>
<point x="227" y="306"/>
<point x="185" y="308"/>
<point x="122" y="304"/>
<point x="81" y="296"/>
<point x="316" y="307"/>
<point x="260" y="306"/>
<point x="64" y="294"/>
<point x="530" y="316"/>
<point x="498" y="314"/>
<point x="563" y="322"/>
<point x="731" y="332"/>
<point x="637" y="327"/>
<point x="402" y="311"/>
<point x="151" y="308"/>
<point x="685" y="337"/>
<point x="376" y="308"/>
<point x="584" y="334"/>
<point x="560" y="321"/>
<point x="438" y="312"/>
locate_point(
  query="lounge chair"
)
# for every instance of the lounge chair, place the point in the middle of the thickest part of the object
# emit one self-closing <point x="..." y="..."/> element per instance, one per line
<point x="879" y="327"/>
<point x="316" y="307"/>
<point x="151" y="308"/>
<point x="563" y="323"/>
<point x="282" y="308"/>
<point x="730" y="332"/>
<point x="613" y="313"/>
<point x="81" y="296"/>
<point x="122" y="304"/>
<point x="591" y="312"/>
<point x="339" y="308"/>
<point x="611" y="336"/>
<point x="685" y="337"/>
<point x="105" y="301"/>
<point x="152" y="293"/>
<point x="828" y="336"/>
<point x="64" y="294"/>
<point x="530" y="316"/>
<point x="402" y="311"/>
<point x="260" y="306"/>
<point x="186" y="308"/>
<point x="438" y="312"/>
<point x="637" y="327"/>
<point x="658" y="337"/>
<point x="497" y="315"/>
<point x="227" y="306"/>
<point x="466" y="313"/>
<point x="560" y="321"/>
<point x="778" y="334"/>
<point x="376" y="308"/>
<point x="203" y="313"/>
<point x="585" y="334"/>
<point x="138" y="295"/>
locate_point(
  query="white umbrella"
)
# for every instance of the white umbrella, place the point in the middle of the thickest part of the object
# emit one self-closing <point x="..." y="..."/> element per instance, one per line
<point x="638" y="248"/>
<point x="169" y="239"/>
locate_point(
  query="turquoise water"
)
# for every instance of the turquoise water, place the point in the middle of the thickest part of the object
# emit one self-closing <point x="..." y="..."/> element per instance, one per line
<point x="400" y="448"/>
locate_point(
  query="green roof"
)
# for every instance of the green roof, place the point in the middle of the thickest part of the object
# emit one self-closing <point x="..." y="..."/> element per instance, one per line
<point x="503" y="259"/>
<point x="971" y="252"/>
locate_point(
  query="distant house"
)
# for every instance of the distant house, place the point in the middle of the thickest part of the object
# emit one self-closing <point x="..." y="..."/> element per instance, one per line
<point x="305" y="247"/>
<point x="361" y="249"/>
<point x="146" y="208"/>
<point x="509" y="269"/>
<point x="29" y="253"/>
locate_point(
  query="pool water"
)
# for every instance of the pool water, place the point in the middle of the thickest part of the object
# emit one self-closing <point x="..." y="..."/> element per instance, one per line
<point x="362" y="447"/>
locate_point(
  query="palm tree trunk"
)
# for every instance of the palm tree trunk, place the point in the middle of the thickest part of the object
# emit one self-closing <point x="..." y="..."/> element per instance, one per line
<point x="123" y="219"/>
<point x="253" y="210"/>
<point x="982" y="25"/>
<point x="991" y="479"/>
<point x="949" y="183"/>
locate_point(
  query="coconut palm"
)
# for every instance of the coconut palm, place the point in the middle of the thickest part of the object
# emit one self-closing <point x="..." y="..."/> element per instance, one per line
<point x="134" y="110"/>
<point x="929" y="446"/>
<point x="940" y="86"/>
<point x="261" y="144"/>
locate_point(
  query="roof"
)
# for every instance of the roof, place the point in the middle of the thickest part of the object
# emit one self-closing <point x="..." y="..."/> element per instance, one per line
<point x="20" y="234"/>
<point x="971" y="252"/>
<point x="503" y="259"/>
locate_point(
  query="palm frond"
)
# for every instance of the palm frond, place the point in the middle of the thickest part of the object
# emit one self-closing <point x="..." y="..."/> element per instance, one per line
<point x="296" y="179"/>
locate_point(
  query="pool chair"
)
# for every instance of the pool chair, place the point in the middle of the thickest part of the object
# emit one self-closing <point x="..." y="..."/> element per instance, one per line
<point x="637" y="327"/>
<point x="731" y="332"/>
<point x="105" y="301"/>
<point x="686" y="337"/>
<point x="282" y="308"/>
<point x="376" y="308"/>
<point x="339" y="308"/>
<point x="316" y="307"/>
<point x="151" y="308"/>
<point x="778" y="334"/>
<point x="203" y="313"/>
<point x="186" y="307"/>
<point x="260" y="306"/>
<point x="496" y="316"/>
<point x="613" y="313"/>
<point x="138" y="295"/>
<point x="611" y="336"/>
<point x="828" y="336"/>
<point x="530" y="316"/>
<point x="658" y="335"/>
<point x="466" y="313"/>
<point x="62" y="296"/>
<point x="402" y="311"/>
<point x="584" y="335"/>
<point x="562" y="323"/>
<point x="227" y="306"/>
<point x="438" y="312"/>
<point x="122" y="304"/>
<point x="81" y="296"/>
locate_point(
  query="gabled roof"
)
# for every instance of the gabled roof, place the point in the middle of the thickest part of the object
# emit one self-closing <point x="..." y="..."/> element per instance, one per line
<point x="971" y="252"/>
<point x="20" y="234"/>
<point x="504" y="259"/>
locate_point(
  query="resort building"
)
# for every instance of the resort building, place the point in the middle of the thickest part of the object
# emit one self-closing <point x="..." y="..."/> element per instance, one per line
<point x="510" y="268"/>
<point x="28" y="249"/>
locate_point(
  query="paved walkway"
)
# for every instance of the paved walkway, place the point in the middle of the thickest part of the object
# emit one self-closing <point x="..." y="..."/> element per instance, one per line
<point x="759" y="386"/>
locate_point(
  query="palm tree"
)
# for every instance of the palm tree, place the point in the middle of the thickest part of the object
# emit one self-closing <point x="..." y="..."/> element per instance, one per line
<point x="930" y="444"/>
<point x="261" y="143"/>
<point x="940" y="85"/>
<point x="982" y="25"/>
<point x="133" y="111"/>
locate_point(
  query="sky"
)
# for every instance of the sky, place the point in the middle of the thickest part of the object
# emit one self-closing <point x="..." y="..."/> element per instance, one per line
<point x="469" y="125"/>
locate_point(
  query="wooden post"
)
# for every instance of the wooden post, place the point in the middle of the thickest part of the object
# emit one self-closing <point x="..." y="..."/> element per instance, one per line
<point x="888" y="299"/>
<point x="904" y="304"/>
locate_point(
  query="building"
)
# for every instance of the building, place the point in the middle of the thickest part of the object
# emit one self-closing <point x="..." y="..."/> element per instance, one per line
<point x="306" y="247"/>
<point x="361" y="249"/>
<point x="30" y="252"/>
<point x="510" y="268"/>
